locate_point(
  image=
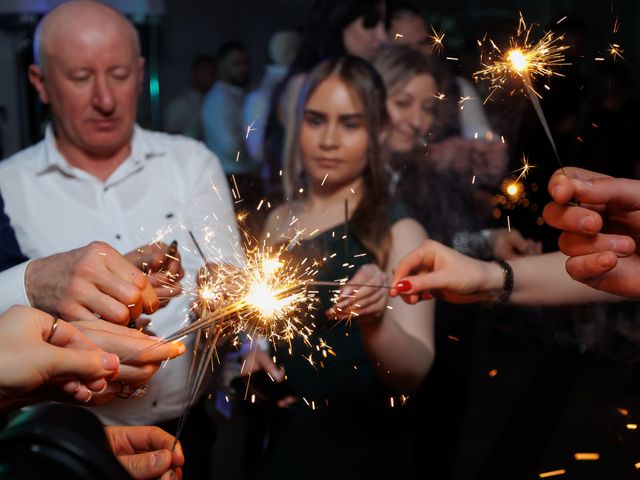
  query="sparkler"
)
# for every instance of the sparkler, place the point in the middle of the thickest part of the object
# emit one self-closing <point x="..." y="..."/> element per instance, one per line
<point x="526" y="60"/>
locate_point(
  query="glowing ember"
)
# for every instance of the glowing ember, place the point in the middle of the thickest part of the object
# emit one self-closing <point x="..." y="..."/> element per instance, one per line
<point x="522" y="58"/>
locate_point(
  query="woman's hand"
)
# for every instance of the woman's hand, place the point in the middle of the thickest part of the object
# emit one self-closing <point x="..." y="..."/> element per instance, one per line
<point x="142" y="355"/>
<point x="508" y="244"/>
<point x="40" y="361"/>
<point x="362" y="302"/>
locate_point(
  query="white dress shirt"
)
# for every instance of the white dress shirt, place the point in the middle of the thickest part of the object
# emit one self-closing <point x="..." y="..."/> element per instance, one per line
<point x="169" y="185"/>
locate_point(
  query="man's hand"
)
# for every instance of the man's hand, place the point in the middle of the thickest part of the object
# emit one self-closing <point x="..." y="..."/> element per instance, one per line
<point x="162" y="264"/>
<point x="601" y="234"/>
<point x="146" y="452"/>
<point x="94" y="279"/>
<point x="434" y="269"/>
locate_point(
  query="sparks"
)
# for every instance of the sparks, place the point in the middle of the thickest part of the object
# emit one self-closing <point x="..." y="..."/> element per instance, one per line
<point x="436" y="40"/>
<point x="615" y="51"/>
<point x="522" y="58"/>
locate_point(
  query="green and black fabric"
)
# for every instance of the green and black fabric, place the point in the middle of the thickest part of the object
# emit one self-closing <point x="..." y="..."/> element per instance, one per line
<point x="343" y="425"/>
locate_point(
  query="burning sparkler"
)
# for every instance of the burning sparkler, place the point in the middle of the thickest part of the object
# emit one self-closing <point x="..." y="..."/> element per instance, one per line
<point x="526" y="60"/>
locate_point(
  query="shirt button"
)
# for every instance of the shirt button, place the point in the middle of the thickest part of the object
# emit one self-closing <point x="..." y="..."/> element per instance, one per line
<point x="155" y="403"/>
<point x="118" y="237"/>
<point x="105" y="189"/>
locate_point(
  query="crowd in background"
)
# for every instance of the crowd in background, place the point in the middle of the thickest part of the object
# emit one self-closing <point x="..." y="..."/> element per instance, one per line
<point x="358" y="103"/>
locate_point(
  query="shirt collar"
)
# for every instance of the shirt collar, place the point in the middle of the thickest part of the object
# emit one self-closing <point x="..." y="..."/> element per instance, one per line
<point x="142" y="150"/>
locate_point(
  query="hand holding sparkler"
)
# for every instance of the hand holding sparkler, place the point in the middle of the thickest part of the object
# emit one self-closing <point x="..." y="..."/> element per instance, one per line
<point x="95" y="279"/>
<point x="434" y="269"/>
<point x="364" y="296"/>
<point x="162" y="265"/>
<point x="600" y="235"/>
<point x="45" y="358"/>
<point x="146" y="452"/>
<point x="139" y="361"/>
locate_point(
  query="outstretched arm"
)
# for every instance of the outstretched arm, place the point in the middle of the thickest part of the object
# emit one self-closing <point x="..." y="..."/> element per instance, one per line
<point x="434" y="269"/>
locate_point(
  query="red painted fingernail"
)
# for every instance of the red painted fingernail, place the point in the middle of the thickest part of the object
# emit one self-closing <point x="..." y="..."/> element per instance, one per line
<point x="403" y="286"/>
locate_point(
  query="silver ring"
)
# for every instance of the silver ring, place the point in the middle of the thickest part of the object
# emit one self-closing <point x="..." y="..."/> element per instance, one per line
<point x="53" y="329"/>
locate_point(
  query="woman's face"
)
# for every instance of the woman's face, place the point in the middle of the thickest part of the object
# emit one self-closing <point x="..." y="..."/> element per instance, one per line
<point x="333" y="135"/>
<point x="362" y="39"/>
<point x="411" y="111"/>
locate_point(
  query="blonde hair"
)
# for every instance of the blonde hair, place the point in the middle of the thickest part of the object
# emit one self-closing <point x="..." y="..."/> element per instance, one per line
<point x="397" y="64"/>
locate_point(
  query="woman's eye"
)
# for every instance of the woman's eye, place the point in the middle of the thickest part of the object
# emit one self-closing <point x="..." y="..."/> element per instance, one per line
<point x="313" y="121"/>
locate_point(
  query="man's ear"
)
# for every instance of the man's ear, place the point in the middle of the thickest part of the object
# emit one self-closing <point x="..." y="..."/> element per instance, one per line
<point x="36" y="77"/>
<point x="141" y="62"/>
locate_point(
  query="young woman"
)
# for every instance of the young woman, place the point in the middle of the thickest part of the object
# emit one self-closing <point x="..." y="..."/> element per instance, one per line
<point x="422" y="101"/>
<point x="334" y="27"/>
<point x="343" y="424"/>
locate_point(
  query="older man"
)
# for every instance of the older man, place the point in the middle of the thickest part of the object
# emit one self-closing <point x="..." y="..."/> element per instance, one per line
<point x="98" y="176"/>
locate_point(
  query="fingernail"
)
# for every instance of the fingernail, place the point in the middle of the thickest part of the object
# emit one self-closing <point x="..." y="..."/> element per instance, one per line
<point x="403" y="286"/>
<point x="605" y="261"/>
<point x="104" y="387"/>
<point x="556" y="191"/>
<point x="621" y="246"/>
<point x="88" y="393"/>
<point x="181" y="348"/>
<point x="426" y="296"/>
<point x="588" y="223"/>
<point x="110" y="361"/>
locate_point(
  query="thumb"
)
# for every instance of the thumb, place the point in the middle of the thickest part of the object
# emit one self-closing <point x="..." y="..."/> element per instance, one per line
<point x="146" y="465"/>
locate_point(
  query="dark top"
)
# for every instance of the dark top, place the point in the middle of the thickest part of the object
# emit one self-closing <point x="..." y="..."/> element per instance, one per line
<point x="10" y="254"/>
<point x="343" y="425"/>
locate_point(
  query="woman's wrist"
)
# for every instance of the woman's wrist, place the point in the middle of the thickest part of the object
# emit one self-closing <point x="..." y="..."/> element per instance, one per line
<point x="494" y="282"/>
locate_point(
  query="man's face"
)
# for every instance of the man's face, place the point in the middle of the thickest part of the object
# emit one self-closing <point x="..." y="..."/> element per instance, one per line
<point x="236" y="67"/>
<point x="408" y="30"/>
<point x="91" y="80"/>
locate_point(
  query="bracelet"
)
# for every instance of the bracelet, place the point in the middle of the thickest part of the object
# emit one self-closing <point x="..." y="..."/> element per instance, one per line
<point x="507" y="286"/>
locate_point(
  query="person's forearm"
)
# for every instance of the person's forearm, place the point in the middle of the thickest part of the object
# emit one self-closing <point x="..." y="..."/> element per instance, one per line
<point x="543" y="281"/>
<point x="401" y="361"/>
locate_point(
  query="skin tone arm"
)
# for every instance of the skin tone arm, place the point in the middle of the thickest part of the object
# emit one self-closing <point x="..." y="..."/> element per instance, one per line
<point x="70" y="366"/>
<point x="97" y="279"/>
<point x="601" y="233"/>
<point x="146" y="452"/>
<point x="436" y="269"/>
<point x="399" y="341"/>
